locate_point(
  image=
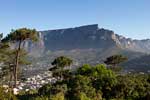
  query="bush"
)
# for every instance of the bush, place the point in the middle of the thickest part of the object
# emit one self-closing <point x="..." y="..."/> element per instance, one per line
<point x="6" y="95"/>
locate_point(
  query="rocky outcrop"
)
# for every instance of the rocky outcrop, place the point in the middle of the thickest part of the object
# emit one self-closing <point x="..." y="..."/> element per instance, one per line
<point x="84" y="37"/>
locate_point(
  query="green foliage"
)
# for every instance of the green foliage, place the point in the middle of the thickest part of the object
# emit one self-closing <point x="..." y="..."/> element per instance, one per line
<point x="93" y="81"/>
<point x="58" y="67"/>
<point x="40" y="98"/>
<point x="80" y="84"/>
<point x="52" y="90"/>
<point x="8" y="57"/>
<point x="100" y="75"/>
<point x="82" y="96"/>
<point x="4" y="95"/>
<point x="21" y="35"/>
<point x="61" y="62"/>
<point x="45" y="90"/>
<point x="58" y="96"/>
<point x="1" y="36"/>
<point x="96" y="83"/>
<point x="102" y="78"/>
<point x="115" y="59"/>
<point x="84" y="70"/>
<point x="135" y="87"/>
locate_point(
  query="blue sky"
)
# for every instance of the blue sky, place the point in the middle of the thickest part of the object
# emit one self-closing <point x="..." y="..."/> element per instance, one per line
<point x="130" y="18"/>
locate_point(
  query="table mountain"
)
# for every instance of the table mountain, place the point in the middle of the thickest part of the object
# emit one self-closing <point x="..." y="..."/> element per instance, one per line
<point x="86" y="44"/>
<point x="85" y="37"/>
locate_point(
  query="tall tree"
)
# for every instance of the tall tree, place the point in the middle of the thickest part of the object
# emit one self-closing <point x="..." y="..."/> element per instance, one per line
<point x="60" y="63"/>
<point x="19" y="36"/>
<point x="7" y="58"/>
<point x="114" y="61"/>
<point x="1" y="36"/>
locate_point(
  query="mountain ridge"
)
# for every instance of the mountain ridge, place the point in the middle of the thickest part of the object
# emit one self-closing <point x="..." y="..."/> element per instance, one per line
<point x="92" y="35"/>
<point x="85" y="44"/>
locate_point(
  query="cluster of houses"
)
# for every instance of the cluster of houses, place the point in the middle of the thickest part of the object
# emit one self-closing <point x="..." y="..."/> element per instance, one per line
<point x="35" y="82"/>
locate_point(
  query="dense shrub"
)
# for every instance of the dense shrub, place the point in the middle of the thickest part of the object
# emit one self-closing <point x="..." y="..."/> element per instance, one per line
<point x="6" y="95"/>
<point x="94" y="83"/>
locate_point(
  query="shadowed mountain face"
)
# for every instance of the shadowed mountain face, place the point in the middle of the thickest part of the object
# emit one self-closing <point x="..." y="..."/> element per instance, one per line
<point x="86" y="37"/>
<point x="141" y="63"/>
<point x="86" y="44"/>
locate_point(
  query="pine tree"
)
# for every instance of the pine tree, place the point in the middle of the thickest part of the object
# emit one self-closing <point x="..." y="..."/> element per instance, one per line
<point x="19" y="36"/>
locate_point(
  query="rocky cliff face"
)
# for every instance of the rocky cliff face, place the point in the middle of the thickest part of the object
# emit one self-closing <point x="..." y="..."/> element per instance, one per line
<point x="86" y="44"/>
<point x="85" y="37"/>
<point x="134" y="45"/>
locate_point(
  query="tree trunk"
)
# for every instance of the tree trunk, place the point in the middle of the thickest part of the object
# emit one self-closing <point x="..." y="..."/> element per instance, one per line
<point x="11" y="76"/>
<point x="17" y="64"/>
<point x="10" y="85"/>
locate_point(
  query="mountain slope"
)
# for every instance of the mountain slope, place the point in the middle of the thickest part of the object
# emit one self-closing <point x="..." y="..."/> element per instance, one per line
<point x="141" y="63"/>
<point x="85" y="44"/>
<point x="86" y="37"/>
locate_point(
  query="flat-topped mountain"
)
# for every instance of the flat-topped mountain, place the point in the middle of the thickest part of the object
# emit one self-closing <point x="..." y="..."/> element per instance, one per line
<point x="86" y="44"/>
<point x="86" y="37"/>
<point x="83" y="37"/>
